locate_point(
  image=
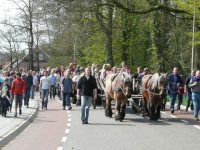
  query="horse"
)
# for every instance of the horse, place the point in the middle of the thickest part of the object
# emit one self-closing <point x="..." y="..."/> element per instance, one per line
<point x="153" y="91"/>
<point x="119" y="88"/>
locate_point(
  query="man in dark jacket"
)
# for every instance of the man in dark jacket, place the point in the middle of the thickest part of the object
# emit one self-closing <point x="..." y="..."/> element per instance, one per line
<point x="87" y="87"/>
<point x="188" y="90"/>
<point x="175" y="81"/>
<point x="28" y="78"/>
<point x="195" y="86"/>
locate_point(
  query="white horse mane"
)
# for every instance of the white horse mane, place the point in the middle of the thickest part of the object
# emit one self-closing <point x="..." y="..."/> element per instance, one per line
<point x="156" y="78"/>
<point x="126" y="77"/>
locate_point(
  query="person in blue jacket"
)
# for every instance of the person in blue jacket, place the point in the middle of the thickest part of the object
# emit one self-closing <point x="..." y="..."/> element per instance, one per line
<point x="175" y="81"/>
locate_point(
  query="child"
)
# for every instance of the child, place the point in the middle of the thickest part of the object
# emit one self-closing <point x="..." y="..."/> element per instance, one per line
<point x="5" y="95"/>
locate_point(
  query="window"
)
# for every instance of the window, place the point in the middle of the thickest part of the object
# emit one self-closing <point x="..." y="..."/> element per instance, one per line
<point x="21" y="69"/>
<point x="41" y="56"/>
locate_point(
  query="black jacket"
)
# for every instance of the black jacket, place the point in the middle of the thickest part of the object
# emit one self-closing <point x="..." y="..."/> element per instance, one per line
<point x="87" y="86"/>
<point x="28" y="80"/>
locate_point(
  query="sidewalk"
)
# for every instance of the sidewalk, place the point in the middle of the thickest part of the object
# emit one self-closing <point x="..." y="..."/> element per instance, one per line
<point x="11" y="126"/>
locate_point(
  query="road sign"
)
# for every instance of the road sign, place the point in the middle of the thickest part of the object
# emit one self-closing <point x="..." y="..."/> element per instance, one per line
<point x="1" y="67"/>
<point x="74" y="62"/>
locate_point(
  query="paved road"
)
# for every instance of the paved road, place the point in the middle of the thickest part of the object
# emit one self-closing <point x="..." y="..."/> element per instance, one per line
<point x="57" y="129"/>
<point x="135" y="132"/>
<point x="46" y="131"/>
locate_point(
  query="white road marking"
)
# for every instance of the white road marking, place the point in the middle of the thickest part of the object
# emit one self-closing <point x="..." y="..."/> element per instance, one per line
<point x="198" y="127"/>
<point x="67" y="131"/>
<point x="69" y="115"/>
<point x="64" y="139"/>
<point x="68" y="112"/>
<point x="163" y="112"/>
<point x="184" y="121"/>
<point x="69" y="119"/>
<point x="59" y="148"/>
<point x="173" y="116"/>
<point x="68" y="124"/>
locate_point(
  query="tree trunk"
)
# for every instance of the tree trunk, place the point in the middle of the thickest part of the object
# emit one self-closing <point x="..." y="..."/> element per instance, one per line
<point x="31" y="36"/>
<point x="109" y="58"/>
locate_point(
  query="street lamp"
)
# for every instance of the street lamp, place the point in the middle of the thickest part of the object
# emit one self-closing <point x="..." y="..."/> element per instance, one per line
<point x="192" y="64"/>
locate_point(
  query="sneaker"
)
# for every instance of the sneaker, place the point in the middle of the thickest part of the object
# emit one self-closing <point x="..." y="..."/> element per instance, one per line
<point x="27" y="106"/>
<point x="20" y="111"/>
<point x="196" y="119"/>
<point x="46" y="108"/>
<point x="172" y="111"/>
<point x="4" y="115"/>
<point x="70" y="107"/>
<point x="15" y="115"/>
<point x="83" y="121"/>
<point x="86" y="122"/>
<point x="42" y="107"/>
<point x="64" y="108"/>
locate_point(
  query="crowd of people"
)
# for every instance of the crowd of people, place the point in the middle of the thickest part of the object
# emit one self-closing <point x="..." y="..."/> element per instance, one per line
<point x="58" y="81"/>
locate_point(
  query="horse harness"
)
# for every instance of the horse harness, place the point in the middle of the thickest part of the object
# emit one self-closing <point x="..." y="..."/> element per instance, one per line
<point x="153" y="91"/>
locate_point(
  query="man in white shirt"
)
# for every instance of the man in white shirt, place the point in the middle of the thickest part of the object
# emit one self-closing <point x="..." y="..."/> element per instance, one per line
<point x="45" y="87"/>
<point x="35" y="83"/>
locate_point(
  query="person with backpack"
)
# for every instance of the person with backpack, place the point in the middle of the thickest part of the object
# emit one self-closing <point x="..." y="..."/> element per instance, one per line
<point x="67" y="87"/>
<point x="5" y="95"/>
<point x="18" y="91"/>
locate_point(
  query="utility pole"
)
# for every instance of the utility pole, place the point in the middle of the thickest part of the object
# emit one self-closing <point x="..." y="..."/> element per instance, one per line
<point x="192" y="63"/>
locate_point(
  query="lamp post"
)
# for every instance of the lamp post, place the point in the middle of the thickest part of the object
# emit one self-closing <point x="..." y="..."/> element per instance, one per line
<point x="192" y="65"/>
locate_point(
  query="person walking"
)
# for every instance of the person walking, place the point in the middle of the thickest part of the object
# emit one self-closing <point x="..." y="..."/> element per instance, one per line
<point x="188" y="91"/>
<point x="18" y="91"/>
<point x="195" y="86"/>
<point x="28" y="78"/>
<point x="180" y="94"/>
<point x="9" y="70"/>
<point x="86" y="87"/>
<point x="11" y="79"/>
<point x="35" y="84"/>
<point x="175" y="81"/>
<point x="67" y="87"/>
<point x="5" y="92"/>
<point x="53" y="84"/>
<point x="45" y="88"/>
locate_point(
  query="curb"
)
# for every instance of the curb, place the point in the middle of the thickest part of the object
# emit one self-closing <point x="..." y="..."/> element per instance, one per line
<point x="12" y="134"/>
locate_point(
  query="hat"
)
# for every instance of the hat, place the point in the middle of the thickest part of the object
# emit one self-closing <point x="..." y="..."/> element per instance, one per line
<point x="108" y="65"/>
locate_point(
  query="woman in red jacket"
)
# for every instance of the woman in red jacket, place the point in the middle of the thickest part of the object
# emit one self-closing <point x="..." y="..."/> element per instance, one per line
<point x="18" y="91"/>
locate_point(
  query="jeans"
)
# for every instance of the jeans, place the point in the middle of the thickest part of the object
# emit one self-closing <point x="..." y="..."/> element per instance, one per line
<point x="85" y="107"/>
<point x="180" y="99"/>
<point x="26" y="99"/>
<point x="33" y="92"/>
<point x="4" y="107"/>
<point x="172" y="100"/>
<point x="196" y="102"/>
<point x="66" y="99"/>
<point x="45" y="93"/>
<point x="189" y="98"/>
<point x="53" y="89"/>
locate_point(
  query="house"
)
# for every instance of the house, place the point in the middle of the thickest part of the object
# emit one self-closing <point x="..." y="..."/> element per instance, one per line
<point x="23" y="64"/>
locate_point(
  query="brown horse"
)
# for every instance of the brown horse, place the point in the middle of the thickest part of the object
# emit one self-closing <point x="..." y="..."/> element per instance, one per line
<point x="153" y="90"/>
<point x="119" y="88"/>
